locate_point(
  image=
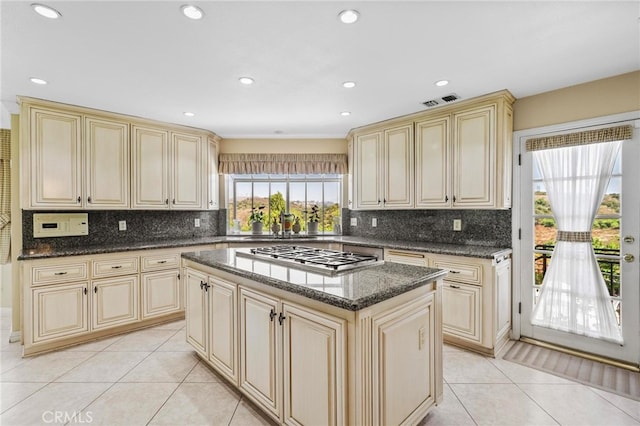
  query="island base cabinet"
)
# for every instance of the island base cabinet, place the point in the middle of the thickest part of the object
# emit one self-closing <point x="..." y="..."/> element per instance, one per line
<point x="196" y="314"/>
<point x="59" y="311"/>
<point x="223" y="330"/>
<point x="404" y="361"/>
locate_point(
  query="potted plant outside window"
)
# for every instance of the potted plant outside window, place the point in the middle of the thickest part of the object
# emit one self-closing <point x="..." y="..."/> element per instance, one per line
<point x="256" y="220"/>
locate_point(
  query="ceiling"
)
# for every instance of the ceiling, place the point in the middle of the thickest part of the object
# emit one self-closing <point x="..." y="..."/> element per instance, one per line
<point x="147" y="59"/>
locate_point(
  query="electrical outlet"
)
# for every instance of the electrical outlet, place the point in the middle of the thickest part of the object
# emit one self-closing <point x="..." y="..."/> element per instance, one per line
<point x="457" y="224"/>
<point x="374" y="222"/>
<point x="354" y="221"/>
<point x="197" y="222"/>
<point x="122" y="225"/>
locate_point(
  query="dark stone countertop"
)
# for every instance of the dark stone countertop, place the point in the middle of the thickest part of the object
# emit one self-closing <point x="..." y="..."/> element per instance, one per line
<point x="478" y="251"/>
<point x="352" y="290"/>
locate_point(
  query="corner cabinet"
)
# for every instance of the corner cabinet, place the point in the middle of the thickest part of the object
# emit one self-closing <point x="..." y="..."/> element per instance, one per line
<point x="384" y="169"/>
<point x="79" y="158"/>
<point x="462" y="158"/>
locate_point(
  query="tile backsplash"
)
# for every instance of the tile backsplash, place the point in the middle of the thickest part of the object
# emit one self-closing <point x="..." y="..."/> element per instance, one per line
<point x="479" y="227"/>
<point x="142" y="225"/>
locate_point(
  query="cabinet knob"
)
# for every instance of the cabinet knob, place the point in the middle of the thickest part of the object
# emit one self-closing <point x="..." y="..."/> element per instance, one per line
<point x="281" y="318"/>
<point x="88" y="199"/>
<point x="79" y="199"/>
<point x="95" y="290"/>
<point x="446" y="198"/>
<point x="272" y="314"/>
<point x="166" y="201"/>
<point x="85" y="290"/>
<point x="211" y="202"/>
<point x="174" y="201"/>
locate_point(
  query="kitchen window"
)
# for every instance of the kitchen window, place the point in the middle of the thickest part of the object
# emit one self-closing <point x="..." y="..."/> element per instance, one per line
<point x="278" y="194"/>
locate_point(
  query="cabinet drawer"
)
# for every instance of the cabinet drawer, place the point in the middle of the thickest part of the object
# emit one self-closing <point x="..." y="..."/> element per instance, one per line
<point x="160" y="261"/>
<point x="461" y="272"/>
<point x="406" y="257"/>
<point x="115" y="267"/>
<point x="49" y="274"/>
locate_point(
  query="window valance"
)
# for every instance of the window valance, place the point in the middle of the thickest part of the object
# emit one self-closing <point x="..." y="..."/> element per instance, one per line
<point x="283" y="164"/>
<point x="609" y="134"/>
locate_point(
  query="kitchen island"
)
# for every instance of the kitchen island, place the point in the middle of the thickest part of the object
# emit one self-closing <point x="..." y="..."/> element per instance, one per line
<point x="355" y="347"/>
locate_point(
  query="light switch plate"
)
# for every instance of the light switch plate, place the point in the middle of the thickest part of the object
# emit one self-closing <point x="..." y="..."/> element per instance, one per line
<point x="122" y="225"/>
<point x="197" y="222"/>
<point x="374" y="222"/>
<point x="457" y="224"/>
<point x="354" y="221"/>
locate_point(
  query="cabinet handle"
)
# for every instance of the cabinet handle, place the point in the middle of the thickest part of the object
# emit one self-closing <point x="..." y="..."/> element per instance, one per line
<point x="206" y="286"/>
<point x="166" y="201"/>
<point x="454" y="198"/>
<point x="272" y="314"/>
<point x="281" y="318"/>
<point x="60" y="273"/>
<point x="399" y="253"/>
<point x="162" y="261"/>
<point x="178" y="277"/>
<point x="446" y="198"/>
<point x="174" y="201"/>
<point x="211" y="202"/>
<point x="85" y="290"/>
<point x="378" y="201"/>
<point x="79" y="199"/>
<point x="384" y="201"/>
<point x="95" y="290"/>
<point x="201" y="285"/>
<point x="454" y="286"/>
<point x="116" y="267"/>
<point x="454" y="272"/>
<point x="89" y="199"/>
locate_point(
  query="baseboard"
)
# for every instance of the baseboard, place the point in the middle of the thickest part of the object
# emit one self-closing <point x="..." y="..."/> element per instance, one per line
<point x="15" y="336"/>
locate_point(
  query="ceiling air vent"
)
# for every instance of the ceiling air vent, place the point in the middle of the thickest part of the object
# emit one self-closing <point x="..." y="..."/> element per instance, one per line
<point x="443" y="100"/>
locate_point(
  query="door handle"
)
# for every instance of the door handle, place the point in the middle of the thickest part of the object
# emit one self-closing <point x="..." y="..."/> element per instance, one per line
<point x="629" y="239"/>
<point x="629" y="258"/>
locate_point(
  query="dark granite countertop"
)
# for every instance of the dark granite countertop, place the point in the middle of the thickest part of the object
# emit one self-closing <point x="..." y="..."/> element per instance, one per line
<point x="478" y="251"/>
<point x="351" y="290"/>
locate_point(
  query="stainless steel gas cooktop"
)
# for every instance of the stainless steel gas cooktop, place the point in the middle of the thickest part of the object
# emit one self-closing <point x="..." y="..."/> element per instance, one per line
<point x="316" y="259"/>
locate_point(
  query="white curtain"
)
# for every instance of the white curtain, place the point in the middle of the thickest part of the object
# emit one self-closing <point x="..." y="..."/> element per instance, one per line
<point x="574" y="297"/>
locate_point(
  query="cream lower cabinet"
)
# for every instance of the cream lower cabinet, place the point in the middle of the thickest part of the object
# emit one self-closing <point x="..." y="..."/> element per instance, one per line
<point x="114" y="301"/>
<point x="59" y="311"/>
<point x="161" y="293"/>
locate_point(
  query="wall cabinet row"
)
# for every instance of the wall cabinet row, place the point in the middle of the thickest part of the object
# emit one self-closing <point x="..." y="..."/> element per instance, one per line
<point x="289" y="354"/>
<point x="75" y="159"/>
<point x="75" y="299"/>
<point x="476" y="297"/>
<point x="452" y="157"/>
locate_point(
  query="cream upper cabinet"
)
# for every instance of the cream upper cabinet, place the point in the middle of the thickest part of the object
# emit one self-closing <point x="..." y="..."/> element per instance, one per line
<point x="213" y="202"/>
<point x="55" y="151"/>
<point x="383" y="163"/>
<point x="107" y="171"/>
<point x="187" y="171"/>
<point x="150" y="157"/>
<point x="167" y="169"/>
<point x="433" y="164"/>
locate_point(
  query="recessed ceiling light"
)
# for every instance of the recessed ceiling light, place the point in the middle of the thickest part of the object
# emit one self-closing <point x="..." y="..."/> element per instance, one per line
<point x="191" y="11"/>
<point x="441" y="83"/>
<point x="345" y="113"/>
<point x="189" y="114"/>
<point x="246" y="80"/>
<point x="46" y="11"/>
<point x="349" y="84"/>
<point x="37" y="80"/>
<point x="349" y="16"/>
<point x="279" y="132"/>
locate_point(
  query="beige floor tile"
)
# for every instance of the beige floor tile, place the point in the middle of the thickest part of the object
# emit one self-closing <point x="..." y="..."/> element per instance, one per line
<point x="449" y="412"/>
<point x="467" y="367"/>
<point x="13" y="393"/>
<point x="577" y="405"/>
<point x="5" y="345"/>
<point x="96" y="345"/>
<point x="199" y="404"/>
<point x="175" y="325"/>
<point x="500" y="404"/>
<point x="521" y="374"/>
<point x="201" y="373"/>
<point x="129" y="404"/>
<point x="45" y="368"/>
<point x="169" y="367"/>
<point x="177" y="343"/>
<point x="63" y="400"/>
<point x="452" y="348"/>
<point x="141" y="341"/>
<point x="247" y="415"/>
<point x="9" y="360"/>
<point x="104" y="367"/>
<point x="628" y="405"/>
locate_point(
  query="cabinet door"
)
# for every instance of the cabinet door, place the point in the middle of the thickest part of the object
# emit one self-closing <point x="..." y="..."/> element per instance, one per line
<point x="368" y="174"/>
<point x="503" y="298"/>
<point x="260" y="350"/>
<point x="114" y="301"/>
<point x="223" y="335"/>
<point x="461" y="311"/>
<point x="197" y="311"/>
<point x="398" y="167"/>
<point x="59" y="311"/>
<point x="474" y="157"/>
<point x="314" y="367"/>
<point x="107" y="167"/>
<point x="56" y="161"/>
<point x="433" y="159"/>
<point x="187" y="176"/>
<point x="212" y="176"/>
<point x="404" y="360"/>
<point x="150" y="168"/>
<point x="160" y="293"/>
